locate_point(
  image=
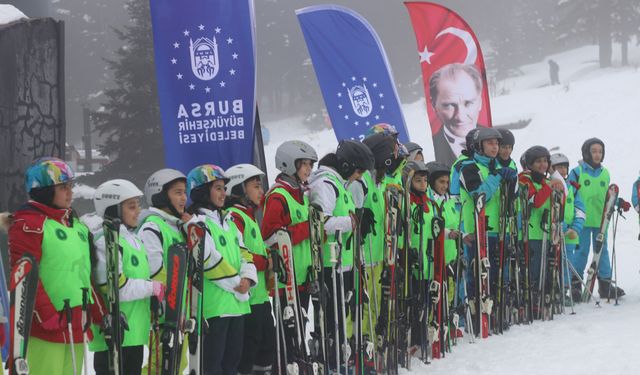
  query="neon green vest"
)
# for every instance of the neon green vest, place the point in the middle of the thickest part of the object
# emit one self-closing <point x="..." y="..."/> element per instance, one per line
<point x="344" y="206"/>
<point x="253" y="241"/>
<point x="570" y="214"/>
<point x="427" y="236"/>
<point x="535" y="219"/>
<point x="299" y="213"/>
<point x="451" y="217"/>
<point x="217" y="301"/>
<point x="65" y="265"/>
<point x="593" y="191"/>
<point x="374" y="200"/>
<point x="492" y="208"/>
<point x="135" y="265"/>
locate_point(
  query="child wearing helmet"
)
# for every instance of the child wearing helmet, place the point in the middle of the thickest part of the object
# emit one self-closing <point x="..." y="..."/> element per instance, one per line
<point x="540" y="188"/>
<point x="244" y="195"/>
<point x="119" y="199"/>
<point x="328" y="188"/>
<point x="573" y="222"/>
<point x="225" y="301"/>
<point x="594" y="180"/>
<point x="47" y="228"/>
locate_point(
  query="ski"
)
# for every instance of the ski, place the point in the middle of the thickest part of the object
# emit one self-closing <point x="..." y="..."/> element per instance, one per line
<point x="318" y="343"/>
<point x="526" y="311"/>
<point x="24" y="283"/>
<point x="172" y="334"/>
<point x="555" y="305"/>
<point x="483" y="303"/>
<point x="592" y="272"/>
<point x="405" y="300"/>
<point x="193" y="326"/>
<point x="111" y="228"/>
<point x="436" y="290"/>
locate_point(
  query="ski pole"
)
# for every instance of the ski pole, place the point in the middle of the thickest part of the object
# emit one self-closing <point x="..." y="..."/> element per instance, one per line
<point x="67" y="311"/>
<point x="276" y="299"/>
<point x="85" y="329"/>
<point x="335" y="305"/>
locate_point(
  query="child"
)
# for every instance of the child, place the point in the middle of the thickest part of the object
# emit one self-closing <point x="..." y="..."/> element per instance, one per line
<point x="119" y="199"/>
<point x="223" y="308"/>
<point x="328" y="189"/>
<point x="244" y="196"/>
<point x="573" y="222"/>
<point x="593" y="179"/>
<point x="47" y="228"/>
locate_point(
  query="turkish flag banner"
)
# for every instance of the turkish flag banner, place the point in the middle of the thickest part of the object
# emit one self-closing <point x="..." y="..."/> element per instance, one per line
<point x="454" y="76"/>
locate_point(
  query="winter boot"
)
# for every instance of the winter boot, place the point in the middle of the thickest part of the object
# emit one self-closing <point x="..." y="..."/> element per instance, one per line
<point x="607" y="289"/>
<point x="576" y="290"/>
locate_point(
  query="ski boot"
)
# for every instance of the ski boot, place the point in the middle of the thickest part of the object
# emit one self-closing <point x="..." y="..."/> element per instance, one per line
<point x="607" y="289"/>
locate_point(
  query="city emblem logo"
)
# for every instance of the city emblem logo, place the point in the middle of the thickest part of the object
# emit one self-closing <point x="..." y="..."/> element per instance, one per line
<point x="360" y="100"/>
<point x="204" y="58"/>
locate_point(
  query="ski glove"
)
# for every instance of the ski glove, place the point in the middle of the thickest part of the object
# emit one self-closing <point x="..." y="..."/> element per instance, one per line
<point x="158" y="290"/>
<point x="107" y="326"/>
<point x="367" y="223"/>
<point x="508" y="174"/>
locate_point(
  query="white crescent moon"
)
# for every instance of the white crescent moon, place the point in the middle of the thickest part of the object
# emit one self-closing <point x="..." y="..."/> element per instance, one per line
<point x="465" y="36"/>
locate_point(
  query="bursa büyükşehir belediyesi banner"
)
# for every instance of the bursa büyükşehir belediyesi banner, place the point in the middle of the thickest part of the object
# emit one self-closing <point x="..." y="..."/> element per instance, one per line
<point x="206" y="73"/>
<point x="352" y="71"/>
<point x="454" y="76"/>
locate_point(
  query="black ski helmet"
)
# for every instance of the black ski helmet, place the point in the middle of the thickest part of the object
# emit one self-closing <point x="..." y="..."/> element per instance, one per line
<point x="469" y="139"/>
<point x="507" y="137"/>
<point x="353" y="155"/>
<point x="437" y="170"/>
<point x="484" y="134"/>
<point x="417" y="166"/>
<point x="586" y="149"/>
<point x="534" y="153"/>
<point x="382" y="147"/>
<point x="523" y="161"/>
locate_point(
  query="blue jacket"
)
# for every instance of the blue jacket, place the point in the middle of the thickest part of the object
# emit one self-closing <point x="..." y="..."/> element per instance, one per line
<point x="472" y="180"/>
<point x="634" y="195"/>
<point x="578" y="210"/>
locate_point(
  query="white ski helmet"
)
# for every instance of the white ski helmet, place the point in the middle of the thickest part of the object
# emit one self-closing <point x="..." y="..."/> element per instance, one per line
<point x="240" y="173"/>
<point x="114" y="192"/>
<point x="156" y="182"/>
<point x="559" y="158"/>
<point x="290" y="151"/>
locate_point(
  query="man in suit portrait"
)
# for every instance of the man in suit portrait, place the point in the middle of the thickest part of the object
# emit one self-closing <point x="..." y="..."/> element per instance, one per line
<point x="456" y="97"/>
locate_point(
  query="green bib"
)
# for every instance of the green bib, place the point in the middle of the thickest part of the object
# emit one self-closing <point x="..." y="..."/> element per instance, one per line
<point x="344" y="206"/>
<point x="451" y="217"/>
<point x="593" y="191"/>
<point x="299" y="213"/>
<point x="374" y="200"/>
<point x="217" y="301"/>
<point x="492" y="208"/>
<point x="427" y="236"/>
<point x="253" y="241"/>
<point x="570" y="214"/>
<point x="535" y="218"/>
<point x="135" y="265"/>
<point x="65" y="265"/>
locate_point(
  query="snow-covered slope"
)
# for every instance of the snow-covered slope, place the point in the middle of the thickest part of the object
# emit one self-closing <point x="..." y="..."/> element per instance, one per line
<point x="591" y="102"/>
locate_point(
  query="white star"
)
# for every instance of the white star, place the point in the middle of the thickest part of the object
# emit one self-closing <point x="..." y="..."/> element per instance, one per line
<point x="367" y="123"/>
<point x="174" y="61"/>
<point x="355" y="123"/>
<point x="339" y="106"/>
<point x="192" y="86"/>
<point x="201" y="27"/>
<point x="176" y="45"/>
<point x="381" y="107"/>
<point x="207" y="89"/>
<point x="223" y="83"/>
<point x="339" y="95"/>
<point x="381" y="95"/>
<point x="186" y="33"/>
<point x="344" y="84"/>
<point x="229" y="40"/>
<point x="235" y="56"/>
<point x="217" y="30"/>
<point x="179" y="75"/>
<point x="375" y="84"/>
<point x="425" y="55"/>
<point x="353" y="78"/>
<point x="346" y="117"/>
<point x="377" y="117"/>
<point x="364" y="79"/>
<point x="232" y="72"/>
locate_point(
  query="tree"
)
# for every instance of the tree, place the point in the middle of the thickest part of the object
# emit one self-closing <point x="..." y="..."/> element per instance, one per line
<point x="626" y="23"/>
<point x="129" y="119"/>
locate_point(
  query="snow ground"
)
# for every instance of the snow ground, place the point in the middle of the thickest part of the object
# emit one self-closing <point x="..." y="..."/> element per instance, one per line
<point x="591" y="102"/>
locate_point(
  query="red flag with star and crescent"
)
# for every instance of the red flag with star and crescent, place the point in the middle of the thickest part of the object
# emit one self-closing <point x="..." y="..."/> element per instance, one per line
<point x="454" y="76"/>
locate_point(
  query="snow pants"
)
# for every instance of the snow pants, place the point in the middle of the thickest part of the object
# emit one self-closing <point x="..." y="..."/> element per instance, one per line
<point x="581" y="253"/>
<point x="259" y="340"/>
<point x="222" y="349"/>
<point x="52" y="358"/>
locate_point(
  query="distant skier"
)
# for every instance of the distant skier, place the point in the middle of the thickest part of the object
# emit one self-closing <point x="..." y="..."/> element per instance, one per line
<point x="554" y="72"/>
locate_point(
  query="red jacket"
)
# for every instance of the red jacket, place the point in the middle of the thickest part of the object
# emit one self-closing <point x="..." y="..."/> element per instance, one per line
<point x="25" y="236"/>
<point x="276" y="213"/>
<point x="261" y="263"/>
<point x="541" y="196"/>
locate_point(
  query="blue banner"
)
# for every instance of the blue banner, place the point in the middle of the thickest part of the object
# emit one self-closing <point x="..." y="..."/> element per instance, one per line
<point x="352" y="70"/>
<point x="206" y="72"/>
